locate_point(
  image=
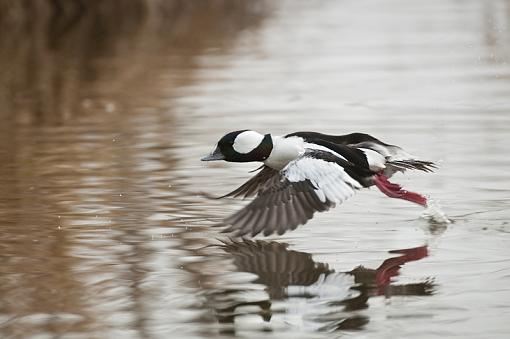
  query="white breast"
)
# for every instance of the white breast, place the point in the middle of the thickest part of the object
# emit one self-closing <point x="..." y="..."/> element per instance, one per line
<point x="284" y="151"/>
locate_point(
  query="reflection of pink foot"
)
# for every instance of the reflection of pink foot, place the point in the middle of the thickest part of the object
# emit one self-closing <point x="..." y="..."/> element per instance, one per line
<point x="390" y="267"/>
<point x="395" y="190"/>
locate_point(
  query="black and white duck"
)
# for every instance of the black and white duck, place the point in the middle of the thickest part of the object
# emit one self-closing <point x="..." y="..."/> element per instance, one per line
<point x="308" y="172"/>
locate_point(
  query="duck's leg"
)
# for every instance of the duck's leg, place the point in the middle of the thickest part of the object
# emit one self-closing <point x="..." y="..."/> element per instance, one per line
<point x="395" y="190"/>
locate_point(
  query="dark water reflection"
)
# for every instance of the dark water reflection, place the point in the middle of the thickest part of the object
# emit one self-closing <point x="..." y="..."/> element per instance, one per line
<point x="104" y="113"/>
<point x="301" y="292"/>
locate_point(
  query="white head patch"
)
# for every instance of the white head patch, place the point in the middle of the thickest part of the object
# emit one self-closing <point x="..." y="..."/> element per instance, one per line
<point x="247" y="141"/>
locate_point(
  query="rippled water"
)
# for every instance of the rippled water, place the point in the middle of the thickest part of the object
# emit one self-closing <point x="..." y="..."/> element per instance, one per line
<point x="105" y="221"/>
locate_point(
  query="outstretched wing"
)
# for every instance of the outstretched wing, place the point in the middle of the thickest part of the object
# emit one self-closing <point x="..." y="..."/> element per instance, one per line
<point x="252" y="186"/>
<point x="312" y="183"/>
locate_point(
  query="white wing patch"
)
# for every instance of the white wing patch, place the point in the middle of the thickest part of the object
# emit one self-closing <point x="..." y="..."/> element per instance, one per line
<point x="376" y="161"/>
<point x="398" y="154"/>
<point x="330" y="180"/>
<point x="389" y="152"/>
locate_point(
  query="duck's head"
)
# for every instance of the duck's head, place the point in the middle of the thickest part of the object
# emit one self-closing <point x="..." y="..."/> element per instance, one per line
<point x="242" y="146"/>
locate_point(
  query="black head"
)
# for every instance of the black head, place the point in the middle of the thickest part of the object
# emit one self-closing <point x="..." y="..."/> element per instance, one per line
<point x="242" y="146"/>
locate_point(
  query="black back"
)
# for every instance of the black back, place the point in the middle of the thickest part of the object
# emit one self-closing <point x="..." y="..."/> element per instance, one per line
<point x="357" y="164"/>
<point x="347" y="139"/>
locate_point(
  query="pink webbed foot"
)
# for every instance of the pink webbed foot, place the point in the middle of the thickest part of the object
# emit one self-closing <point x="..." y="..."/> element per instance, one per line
<point x="393" y="190"/>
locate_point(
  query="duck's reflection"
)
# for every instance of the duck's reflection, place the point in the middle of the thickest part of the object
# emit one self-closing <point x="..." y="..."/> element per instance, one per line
<point x="295" y="290"/>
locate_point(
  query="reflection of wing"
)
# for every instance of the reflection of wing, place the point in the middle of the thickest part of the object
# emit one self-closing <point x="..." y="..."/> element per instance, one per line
<point x="275" y="265"/>
<point x="312" y="183"/>
<point x="292" y="276"/>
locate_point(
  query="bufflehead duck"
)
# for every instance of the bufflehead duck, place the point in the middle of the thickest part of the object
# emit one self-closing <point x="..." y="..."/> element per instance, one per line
<point x="308" y="172"/>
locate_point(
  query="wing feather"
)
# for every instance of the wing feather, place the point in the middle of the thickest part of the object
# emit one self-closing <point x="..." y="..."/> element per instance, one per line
<point x="290" y="197"/>
<point x="264" y="220"/>
<point x="254" y="185"/>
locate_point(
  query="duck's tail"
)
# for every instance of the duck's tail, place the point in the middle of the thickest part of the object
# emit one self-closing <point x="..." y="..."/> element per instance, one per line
<point x="402" y="165"/>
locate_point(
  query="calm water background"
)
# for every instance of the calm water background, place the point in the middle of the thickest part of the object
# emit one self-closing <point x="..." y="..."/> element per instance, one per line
<point x="105" y="228"/>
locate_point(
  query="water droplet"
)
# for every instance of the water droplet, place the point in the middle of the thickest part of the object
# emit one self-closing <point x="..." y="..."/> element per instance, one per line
<point x="109" y="107"/>
<point x="87" y="103"/>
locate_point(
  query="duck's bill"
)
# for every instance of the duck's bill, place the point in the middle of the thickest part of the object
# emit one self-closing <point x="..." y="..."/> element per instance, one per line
<point x="215" y="155"/>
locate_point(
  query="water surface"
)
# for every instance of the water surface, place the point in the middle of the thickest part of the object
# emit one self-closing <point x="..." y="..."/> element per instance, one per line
<point x="105" y="227"/>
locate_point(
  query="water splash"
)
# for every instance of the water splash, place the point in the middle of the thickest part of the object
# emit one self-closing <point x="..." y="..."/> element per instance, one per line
<point x="434" y="213"/>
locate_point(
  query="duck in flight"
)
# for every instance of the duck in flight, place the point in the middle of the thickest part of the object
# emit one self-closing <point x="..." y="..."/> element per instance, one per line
<point x="308" y="172"/>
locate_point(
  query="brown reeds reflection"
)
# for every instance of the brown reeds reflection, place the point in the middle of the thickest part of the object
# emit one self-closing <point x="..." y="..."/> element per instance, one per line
<point x="86" y="92"/>
<point x="54" y="55"/>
